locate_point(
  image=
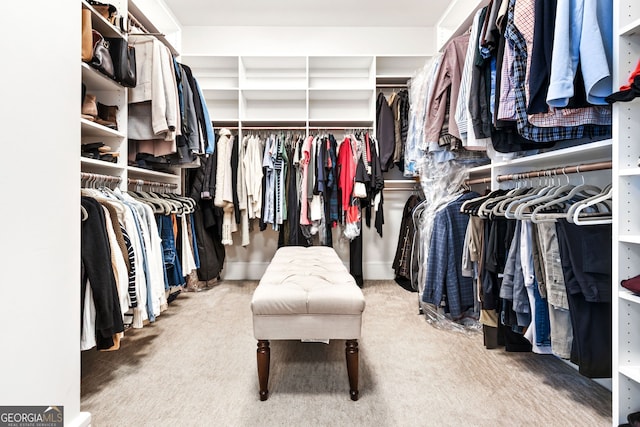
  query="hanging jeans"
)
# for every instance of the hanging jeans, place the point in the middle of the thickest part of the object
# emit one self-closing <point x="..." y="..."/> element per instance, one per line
<point x="172" y="267"/>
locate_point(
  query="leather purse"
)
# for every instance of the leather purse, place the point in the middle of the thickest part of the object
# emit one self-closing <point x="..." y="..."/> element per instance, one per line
<point x="87" y="38"/>
<point x="101" y="59"/>
<point x="124" y="61"/>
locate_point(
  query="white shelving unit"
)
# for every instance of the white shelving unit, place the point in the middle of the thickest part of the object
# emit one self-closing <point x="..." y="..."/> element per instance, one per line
<point x="110" y="92"/>
<point x="626" y="225"/>
<point x="307" y="92"/>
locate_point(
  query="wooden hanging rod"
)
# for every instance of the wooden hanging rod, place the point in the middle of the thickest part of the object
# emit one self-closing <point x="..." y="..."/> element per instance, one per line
<point x="588" y="167"/>
<point x="132" y="181"/>
<point x="474" y="181"/>
<point x="391" y="85"/>
<point x="97" y="176"/>
<point x="273" y="128"/>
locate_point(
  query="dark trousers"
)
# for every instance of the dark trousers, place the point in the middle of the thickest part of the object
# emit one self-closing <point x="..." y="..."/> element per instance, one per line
<point x="585" y="253"/>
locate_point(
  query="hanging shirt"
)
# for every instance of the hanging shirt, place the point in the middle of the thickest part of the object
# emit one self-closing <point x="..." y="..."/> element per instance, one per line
<point x="583" y="34"/>
<point x="526" y="129"/>
<point x="444" y="267"/>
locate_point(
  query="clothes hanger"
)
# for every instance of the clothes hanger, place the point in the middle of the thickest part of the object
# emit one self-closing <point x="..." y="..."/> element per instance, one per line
<point x="522" y="210"/>
<point x="603" y="203"/>
<point x="508" y="208"/>
<point x="584" y="220"/>
<point x="580" y="192"/>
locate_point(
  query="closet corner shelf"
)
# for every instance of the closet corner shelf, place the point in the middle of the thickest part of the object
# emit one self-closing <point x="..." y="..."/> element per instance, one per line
<point x="100" y="24"/>
<point x="90" y="128"/>
<point x="590" y="152"/>
<point x="140" y="172"/>
<point x="95" y="80"/>
<point x="629" y="238"/>
<point x="631" y="372"/>
<point x="628" y="296"/>
<point x="630" y="29"/>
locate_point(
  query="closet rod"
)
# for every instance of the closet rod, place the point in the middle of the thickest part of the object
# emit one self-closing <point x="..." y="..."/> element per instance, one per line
<point x="273" y="128"/>
<point x="391" y="86"/>
<point x="87" y="175"/>
<point x="96" y="179"/>
<point x="132" y="181"/>
<point x="485" y="180"/>
<point x="338" y="127"/>
<point x="587" y="167"/>
<point x="412" y="188"/>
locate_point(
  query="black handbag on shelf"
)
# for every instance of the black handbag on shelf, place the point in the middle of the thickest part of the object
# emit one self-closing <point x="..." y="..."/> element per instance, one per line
<point x="101" y="59"/>
<point x="124" y="61"/>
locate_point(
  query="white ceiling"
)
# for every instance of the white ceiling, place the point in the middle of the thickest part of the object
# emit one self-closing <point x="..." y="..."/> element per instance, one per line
<point x="359" y="13"/>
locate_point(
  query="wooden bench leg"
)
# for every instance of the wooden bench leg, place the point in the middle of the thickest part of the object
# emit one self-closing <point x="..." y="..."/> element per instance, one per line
<point x="351" y="351"/>
<point x="264" y="356"/>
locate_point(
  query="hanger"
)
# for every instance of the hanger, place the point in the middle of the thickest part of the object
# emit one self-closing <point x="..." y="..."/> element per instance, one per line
<point x="84" y="215"/>
<point x="581" y="191"/>
<point x="603" y="203"/>
<point x="584" y="220"/>
<point x="522" y="210"/>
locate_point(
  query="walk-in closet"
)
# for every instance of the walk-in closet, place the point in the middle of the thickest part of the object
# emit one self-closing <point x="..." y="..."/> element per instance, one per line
<point x="370" y="214"/>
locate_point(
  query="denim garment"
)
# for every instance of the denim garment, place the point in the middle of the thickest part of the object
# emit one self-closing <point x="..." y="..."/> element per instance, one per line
<point x="172" y="265"/>
<point x="543" y="326"/>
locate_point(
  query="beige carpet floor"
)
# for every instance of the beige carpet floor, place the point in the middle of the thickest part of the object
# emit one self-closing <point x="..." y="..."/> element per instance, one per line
<point x="196" y="366"/>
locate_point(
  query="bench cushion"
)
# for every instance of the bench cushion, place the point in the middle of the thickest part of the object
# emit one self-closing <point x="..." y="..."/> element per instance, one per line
<point x="307" y="293"/>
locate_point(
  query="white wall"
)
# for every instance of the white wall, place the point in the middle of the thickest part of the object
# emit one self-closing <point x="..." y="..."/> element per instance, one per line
<point x="39" y="177"/>
<point x="308" y="41"/>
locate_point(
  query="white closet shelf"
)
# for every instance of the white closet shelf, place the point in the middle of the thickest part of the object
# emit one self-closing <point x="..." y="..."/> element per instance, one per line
<point x="627" y="295"/>
<point x="263" y="94"/>
<point x="363" y="94"/>
<point x="590" y="152"/>
<point x="90" y="128"/>
<point x="134" y="172"/>
<point x="629" y="238"/>
<point x="631" y="372"/>
<point x="629" y="172"/>
<point x="208" y="63"/>
<point x="278" y="63"/>
<point x="398" y="67"/>
<point x="95" y="80"/>
<point x="274" y="123"/>
<point x="95" y="165"/>
<point x="630" y="29"/>
<point x="345" y="85"/>
<point x="340" y="63"/>
<point x="100" y="24"/>
<point x="221" y="93"/>
<point x="480" y="171"/>
<point x="340" y="123"/>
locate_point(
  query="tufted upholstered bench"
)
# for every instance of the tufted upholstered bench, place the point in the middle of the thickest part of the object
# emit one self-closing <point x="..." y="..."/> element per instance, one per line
<point x="307" y="294"/>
